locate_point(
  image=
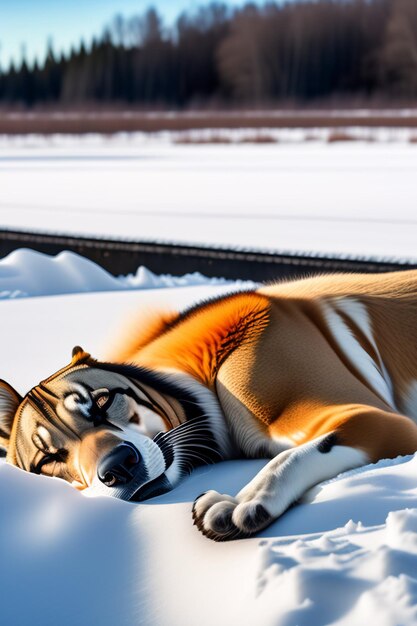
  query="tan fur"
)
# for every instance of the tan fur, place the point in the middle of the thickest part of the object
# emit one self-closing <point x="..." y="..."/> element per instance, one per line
<point x="273" y="352"/>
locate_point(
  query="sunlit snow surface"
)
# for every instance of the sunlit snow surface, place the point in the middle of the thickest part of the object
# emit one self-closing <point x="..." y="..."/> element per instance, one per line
<point x="346" y="555"/>
<point x="346" y="198"/>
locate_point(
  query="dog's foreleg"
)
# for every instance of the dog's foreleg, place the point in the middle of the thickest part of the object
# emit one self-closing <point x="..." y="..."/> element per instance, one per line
<point x="280" y="483"/>
<point x="362" y="435"/>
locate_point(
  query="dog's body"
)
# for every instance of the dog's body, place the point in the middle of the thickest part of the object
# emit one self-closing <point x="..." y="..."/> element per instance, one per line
<point x="320" y="375"/>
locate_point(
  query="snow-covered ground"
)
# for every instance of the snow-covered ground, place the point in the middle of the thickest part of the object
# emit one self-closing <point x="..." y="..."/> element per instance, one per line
<point x="346" y="555"/>
<point x="347" y="198"/>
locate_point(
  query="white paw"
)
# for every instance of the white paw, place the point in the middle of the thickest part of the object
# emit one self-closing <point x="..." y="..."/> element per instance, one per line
<point x="221" y="517"/>
<point x="251" y="517"/>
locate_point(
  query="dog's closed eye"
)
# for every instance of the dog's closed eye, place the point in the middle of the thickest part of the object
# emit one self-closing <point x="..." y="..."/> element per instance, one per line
<point x="41" y="438"/>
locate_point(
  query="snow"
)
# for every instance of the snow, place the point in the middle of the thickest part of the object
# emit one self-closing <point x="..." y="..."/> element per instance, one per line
<point x="346" y="555"/>
<point x="25" y="272"/>
<point x="352" y="198"/>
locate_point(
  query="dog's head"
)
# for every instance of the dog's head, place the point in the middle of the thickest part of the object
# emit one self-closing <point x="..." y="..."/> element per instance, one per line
<point x="120" y="428"/>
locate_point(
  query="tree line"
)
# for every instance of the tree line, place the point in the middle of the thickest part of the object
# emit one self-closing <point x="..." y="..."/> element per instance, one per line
<point x="302" y="51"/>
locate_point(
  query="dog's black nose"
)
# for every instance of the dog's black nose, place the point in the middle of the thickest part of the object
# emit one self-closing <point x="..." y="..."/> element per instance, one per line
<point x="118" y="466"/>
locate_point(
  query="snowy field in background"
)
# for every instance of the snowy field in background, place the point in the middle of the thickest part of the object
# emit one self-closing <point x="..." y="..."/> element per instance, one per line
<point x="345" y="556"/>
<point x="295" y="195"/>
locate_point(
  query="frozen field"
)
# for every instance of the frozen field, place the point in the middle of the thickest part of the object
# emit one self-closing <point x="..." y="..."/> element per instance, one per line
<point x="348" y="198"/>
<point x="345" y="556"/>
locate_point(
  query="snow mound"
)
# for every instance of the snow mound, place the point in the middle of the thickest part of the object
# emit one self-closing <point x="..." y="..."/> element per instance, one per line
<point x="51" y="543"/>
<point x="345" y="558"/>
<point x="26" y="273"/>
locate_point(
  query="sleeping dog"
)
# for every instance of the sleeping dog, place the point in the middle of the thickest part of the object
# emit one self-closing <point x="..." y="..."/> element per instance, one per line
<point x="318" y="375"/>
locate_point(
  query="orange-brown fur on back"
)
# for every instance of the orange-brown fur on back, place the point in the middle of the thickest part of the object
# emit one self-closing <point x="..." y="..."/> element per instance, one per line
<point x="274" y="352"/>
<point x="201" y="340"/>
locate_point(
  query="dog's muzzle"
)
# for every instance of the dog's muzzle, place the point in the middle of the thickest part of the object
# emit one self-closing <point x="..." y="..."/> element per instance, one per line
<point x="123" y="470"/>
<point x="136" y="475"/>
<point x="129" y="473"/>
<point x="120" y="465"/>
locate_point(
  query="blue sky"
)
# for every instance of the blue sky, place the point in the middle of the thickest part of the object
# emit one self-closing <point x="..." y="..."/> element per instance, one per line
<point x="32" y="22"/>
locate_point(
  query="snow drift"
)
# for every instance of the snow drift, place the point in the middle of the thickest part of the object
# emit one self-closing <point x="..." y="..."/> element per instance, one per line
<point x="25" y="272"/>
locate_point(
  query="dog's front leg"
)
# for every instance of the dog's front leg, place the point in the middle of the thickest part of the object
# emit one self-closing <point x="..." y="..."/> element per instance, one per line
<point x="278" y="485"/>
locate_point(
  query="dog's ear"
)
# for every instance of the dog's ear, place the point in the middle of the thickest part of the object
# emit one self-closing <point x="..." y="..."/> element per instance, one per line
<point x="9" y="402"/>
<point x="80" y="356"/>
